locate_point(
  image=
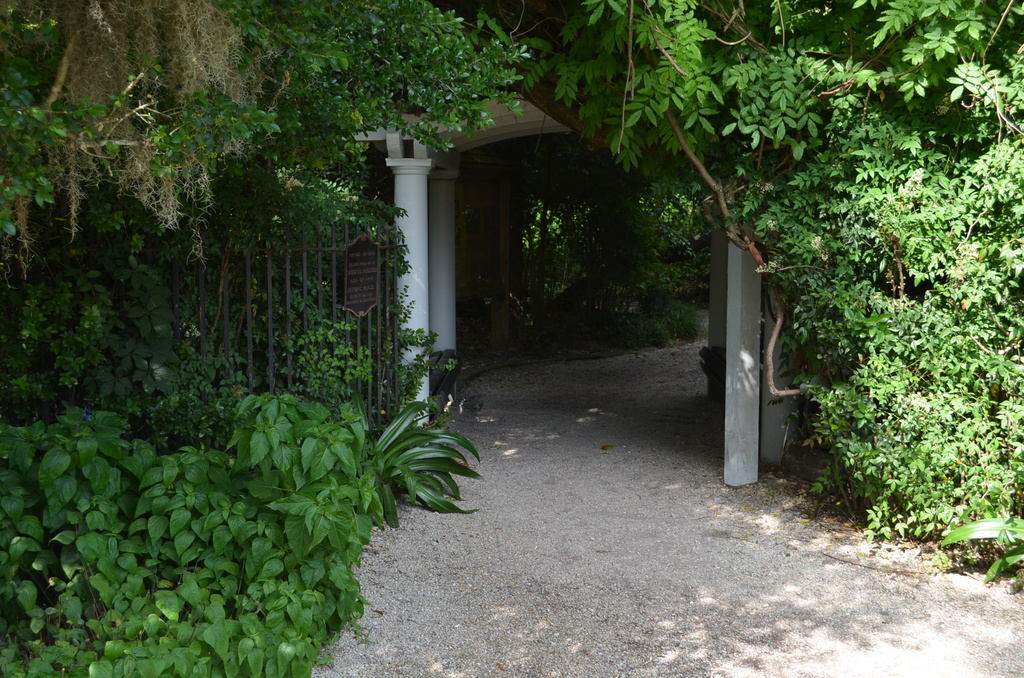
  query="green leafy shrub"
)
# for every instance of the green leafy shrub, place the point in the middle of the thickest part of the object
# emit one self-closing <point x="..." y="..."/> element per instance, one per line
<point x="117" y="561"/>
<point x="901" y="272"/>
<point x="329" y="369"/>
<point x="173" y="565"/>
<point x="96" y="333"/>
<point x="633" y="330"/>
<point x="202" y="408"/>
<point x="681" y="320"/>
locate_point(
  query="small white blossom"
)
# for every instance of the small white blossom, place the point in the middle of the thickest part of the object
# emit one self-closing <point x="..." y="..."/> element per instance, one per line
<point x="818" y="245"/>
<point x="916" y="401"/>
<point x="913" y="184"/>
<point x="965" y="254"/>
<point x="968" y="250"/>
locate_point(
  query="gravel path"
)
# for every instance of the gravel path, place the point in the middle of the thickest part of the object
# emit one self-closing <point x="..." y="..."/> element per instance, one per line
<point x="606" y="545"/>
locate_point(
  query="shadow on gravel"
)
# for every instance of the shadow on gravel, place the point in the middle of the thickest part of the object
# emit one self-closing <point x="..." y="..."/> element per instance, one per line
<point x="605" y="544"/>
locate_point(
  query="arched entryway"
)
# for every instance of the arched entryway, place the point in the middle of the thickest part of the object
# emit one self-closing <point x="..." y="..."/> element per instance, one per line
<point x="425" y="187"/>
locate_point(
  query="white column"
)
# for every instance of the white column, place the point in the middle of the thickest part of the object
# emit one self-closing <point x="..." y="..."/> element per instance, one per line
<point x="442" y="257"/>
<point x="411" y="196"/>
<point x="775" y="412"/>
<point x="742" y="369"/>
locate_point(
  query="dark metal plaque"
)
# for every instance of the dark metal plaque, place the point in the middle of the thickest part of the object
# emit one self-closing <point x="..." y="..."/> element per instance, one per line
<point x="362" y="275"/>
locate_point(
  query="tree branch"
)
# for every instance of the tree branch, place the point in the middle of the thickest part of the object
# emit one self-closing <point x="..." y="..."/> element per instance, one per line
<point x="655" y="32"/>
<point x="100" y="143"/>
<point x="716" y="187"/>
<point x="769" y="357"/>
<point x="731" y="231"/>
<point x="664" y="52"/>
<point x="732" y="24"/>
<point x="982" y="346"/>
<point x="994" y="319"/>
<point x="1002" y="20"/>
<point x="630" y="88"/>
<point x="62" y="73"/>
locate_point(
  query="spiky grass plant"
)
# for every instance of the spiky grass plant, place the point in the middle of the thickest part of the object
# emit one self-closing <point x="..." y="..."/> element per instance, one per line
<point x="407" y="458"/>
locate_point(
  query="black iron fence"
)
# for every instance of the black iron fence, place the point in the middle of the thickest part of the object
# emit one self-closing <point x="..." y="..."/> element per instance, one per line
<point x="147" y="329"/>
<point x="276" y="314"/>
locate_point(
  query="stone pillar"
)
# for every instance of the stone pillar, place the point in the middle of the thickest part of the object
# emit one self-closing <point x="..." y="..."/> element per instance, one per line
<point x="411" y="196"/>
<point x="442" y="257"/>
<point x="742" y="369"/>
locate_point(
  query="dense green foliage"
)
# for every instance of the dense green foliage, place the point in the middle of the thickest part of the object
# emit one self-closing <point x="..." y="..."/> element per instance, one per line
<point x="869" y="154"/>
<point x="907" y="319"/>
<point x="161" y="96"/>
<point x="115" y="134"/>
<point x="120" y="559"/>
<point x="119" y="326"/>
<point x="179" y="564"/>
<point x="896" y="247"/>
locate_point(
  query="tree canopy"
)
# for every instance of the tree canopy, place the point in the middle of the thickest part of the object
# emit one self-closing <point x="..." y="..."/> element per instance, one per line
<point x="747" y="89"/>
<point x="158" y="96"/>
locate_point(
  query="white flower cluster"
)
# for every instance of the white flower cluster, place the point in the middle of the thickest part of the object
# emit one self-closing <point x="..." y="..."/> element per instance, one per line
<point x="968" y="250"/>
<point x="768" y="267"/>
<point x="965" y="253"/>
<point x="916" y="401"/>
<point x="913" y="185"/>
<point x="818" y="245"/>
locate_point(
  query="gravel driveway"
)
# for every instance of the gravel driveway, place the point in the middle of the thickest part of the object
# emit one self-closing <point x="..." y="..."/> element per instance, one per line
<point x="606" y="544"/>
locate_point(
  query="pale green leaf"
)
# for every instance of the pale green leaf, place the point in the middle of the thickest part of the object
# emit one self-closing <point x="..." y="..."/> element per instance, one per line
<point x="168" y="603"/>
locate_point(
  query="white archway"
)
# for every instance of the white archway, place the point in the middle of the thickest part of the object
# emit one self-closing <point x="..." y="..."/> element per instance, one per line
<point x="755" y="431"/>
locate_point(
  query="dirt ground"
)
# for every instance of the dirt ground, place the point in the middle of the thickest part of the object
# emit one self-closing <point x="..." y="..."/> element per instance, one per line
<point x="606" y="544"/>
